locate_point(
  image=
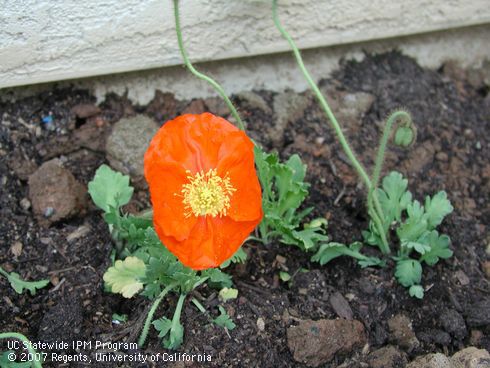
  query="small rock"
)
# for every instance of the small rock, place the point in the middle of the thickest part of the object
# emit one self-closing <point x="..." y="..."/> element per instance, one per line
<point x="55" y="193"/>
<point x="341" y="306"/>
<point x="92" y="135"/>
<point x="349" y="108"/>
<point x="462" y="278"/>
<point x="401" y="333"/>
<point x="22" y="168"/>
<point x="127" y="143"/>
<point x="486" y="269"/>
<point x="260" y="324"/>
<point x="452" y="322"/>
<point x="437" y="360"/>
<point x="16" y="249"/>
<point x="163" y="106"/>
<point x="435" y="336"/>
<point x="475" y="337"/>
<point x="477" y="314"/>
<point x="289" y="106"/>
<point x="217" y="106"/>
<point x="254" y="101"/>
<point x="80" y="232"/>
<point x="25" y="204"/>
<point x="442" y="156"/>
<point x="471" y="357"/>
<point x="195" y="107"/>
<point x="387" y="357"/>
<point x="84" y="111"/>
<point x="317" y="342"/>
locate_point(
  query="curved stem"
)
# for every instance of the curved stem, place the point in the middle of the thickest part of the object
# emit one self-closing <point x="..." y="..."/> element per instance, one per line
<point x="202" y="76"/>
<point x="149" y="317"/>
<point x="378" y="166"/>
<point x="323" y="103"/>
<point x="15" y="335"/>
<point x="376" y="212"/>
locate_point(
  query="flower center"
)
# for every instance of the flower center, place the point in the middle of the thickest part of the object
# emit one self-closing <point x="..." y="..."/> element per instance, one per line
<point x="207" y="194"/>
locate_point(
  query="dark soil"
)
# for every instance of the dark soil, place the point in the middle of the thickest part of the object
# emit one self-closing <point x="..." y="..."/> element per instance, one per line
<point x="451" y="153"/>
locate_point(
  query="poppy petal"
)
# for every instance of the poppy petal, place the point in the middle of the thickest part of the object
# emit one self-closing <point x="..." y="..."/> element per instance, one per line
<point x="237" y="162"/>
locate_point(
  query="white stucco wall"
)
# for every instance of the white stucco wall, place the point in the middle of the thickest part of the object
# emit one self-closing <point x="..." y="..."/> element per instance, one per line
<point x="54" y="40"/>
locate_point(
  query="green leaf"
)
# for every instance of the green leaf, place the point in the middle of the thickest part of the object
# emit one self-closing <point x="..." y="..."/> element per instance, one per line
<point x="217" y="278"/>
<point x="416" y="291"/>
<point x="415" y="226"/>
<point x="163" y="326"/>
<point x="240" y="256"/>
<point x="125" y="276"/>
<point x="284" y="276"/>
<point x="394" y="197"/>
<point x="176" y="336"/>
<point x="19" y="285"/>
<point x="437" y="208"/>
<point x="408" y="272"/>
<point x="109" y="188"/>
<point x="439" y="248"/>
<point x="224" y="320"/>
<point x="226" y="294"/>
<point x="332" y="250"/>
<point x="120" y="317"/>
<point x="6" y="363"/>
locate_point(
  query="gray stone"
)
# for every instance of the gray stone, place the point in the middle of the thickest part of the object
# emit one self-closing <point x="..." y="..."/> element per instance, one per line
<point x="55" y="194"/>
<point x="431" y="361"/>
<point x="127" y="143"/>
<point x="387" y="357"/>
<point x="477" y="314"/>
<point x="401" y="333"/>
<point x="289" y="107"/>
<point x="341" y="306"/>
<point x="453" y="323"/>
<point x="254" y="101"/>
<point x="317" y="342"/>
<point x="471" y="357"/>
<point x="348" y="108"/>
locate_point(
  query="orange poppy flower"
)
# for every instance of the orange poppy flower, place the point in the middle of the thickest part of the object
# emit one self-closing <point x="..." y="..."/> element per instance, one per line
<point x="204" y="188"/>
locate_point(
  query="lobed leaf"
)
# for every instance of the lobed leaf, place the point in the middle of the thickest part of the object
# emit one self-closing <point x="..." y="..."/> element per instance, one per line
<point x="125" y="276"/>
<point x="109" y="189"/>
<point x="408" y="272"/>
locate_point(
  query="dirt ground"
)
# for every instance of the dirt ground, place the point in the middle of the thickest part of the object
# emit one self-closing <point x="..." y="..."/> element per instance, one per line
<point x="451" y="109"/>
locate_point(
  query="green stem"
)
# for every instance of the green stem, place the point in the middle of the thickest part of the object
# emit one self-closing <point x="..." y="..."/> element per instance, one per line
<point x="14" y="335"/>
<point x="5" y="273"/>
<point x="202" y="76"/>
<point x="149" y="317"/>
<point x="376" y="212"/>
<point x="378" y="166"/>
<point x="178" y="311"/>
<point x="199" y="306"/>
<point x="323" y="103"/>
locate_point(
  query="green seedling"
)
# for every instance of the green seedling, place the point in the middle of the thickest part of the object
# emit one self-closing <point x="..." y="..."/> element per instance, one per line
<point x="390" y="207"/>
<point x="20" y="285"/>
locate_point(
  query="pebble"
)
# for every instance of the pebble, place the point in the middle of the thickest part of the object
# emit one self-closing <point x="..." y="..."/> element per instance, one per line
<point x="388" y="356"/>
<point x="127" y="143"/>
<point x="25" y="204"/>
<point x="55" y="194"/>
<point x="260" y="324"/>
<point x="315" y="343"/>
<point x="16" y="249"/>
<point x="401" y="333"/>
<point x="453" y="323"/>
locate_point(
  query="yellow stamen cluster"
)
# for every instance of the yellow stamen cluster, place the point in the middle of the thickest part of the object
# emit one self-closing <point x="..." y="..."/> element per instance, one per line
<point x="207" y="194"/>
